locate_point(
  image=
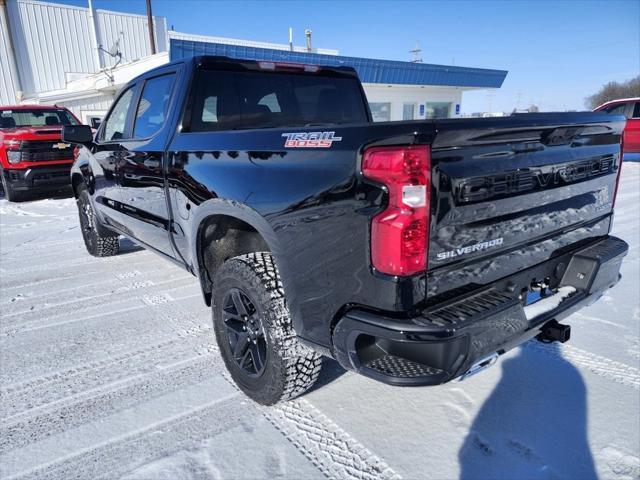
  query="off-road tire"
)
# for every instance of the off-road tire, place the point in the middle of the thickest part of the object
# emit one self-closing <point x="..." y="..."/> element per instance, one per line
<point x="99" y="241"/>
<point x="291" y="368"/>
<point x="11" y="194"/>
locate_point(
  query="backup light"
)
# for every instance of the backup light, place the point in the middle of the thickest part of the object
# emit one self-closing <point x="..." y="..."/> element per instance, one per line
<point x="400" y="234"/>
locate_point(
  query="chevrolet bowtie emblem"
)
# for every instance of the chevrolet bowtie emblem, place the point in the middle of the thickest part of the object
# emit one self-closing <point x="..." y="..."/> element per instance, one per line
<point x="61" y="146"/>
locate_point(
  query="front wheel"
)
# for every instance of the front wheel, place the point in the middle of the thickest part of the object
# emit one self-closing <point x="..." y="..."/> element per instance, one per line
<point x="254" y="331"/>
<point x="99" y="243"/>
<point x="9" y="192"/>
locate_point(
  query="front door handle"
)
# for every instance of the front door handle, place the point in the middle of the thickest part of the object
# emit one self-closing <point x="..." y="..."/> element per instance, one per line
<point x="150" y="163"/>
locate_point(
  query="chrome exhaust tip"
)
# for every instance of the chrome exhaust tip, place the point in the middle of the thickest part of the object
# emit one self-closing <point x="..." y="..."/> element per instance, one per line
<point x="479" y="366"/>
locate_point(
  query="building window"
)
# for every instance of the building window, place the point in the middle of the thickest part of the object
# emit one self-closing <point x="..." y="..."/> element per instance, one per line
<point x="437" y="109"/>
<point x="381" y="112"/>
<point x="408" y="111"/>
<point x="93" y="118"/>
<point x="94" y="121"/>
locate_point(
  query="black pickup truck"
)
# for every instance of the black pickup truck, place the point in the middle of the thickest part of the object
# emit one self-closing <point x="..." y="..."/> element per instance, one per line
<point x="412" y="252"/>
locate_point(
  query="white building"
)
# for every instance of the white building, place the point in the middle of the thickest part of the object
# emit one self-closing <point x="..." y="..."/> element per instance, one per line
<point x="79" y="57"/>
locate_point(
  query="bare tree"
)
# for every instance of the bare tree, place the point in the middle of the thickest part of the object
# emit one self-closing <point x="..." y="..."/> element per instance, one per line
<point x="613" y="91"/>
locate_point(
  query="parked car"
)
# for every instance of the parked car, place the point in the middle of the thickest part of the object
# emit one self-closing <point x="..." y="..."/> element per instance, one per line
<point x="630" y="108"/>
<point x="33" y="157"/>
<point x="411" y="252"/>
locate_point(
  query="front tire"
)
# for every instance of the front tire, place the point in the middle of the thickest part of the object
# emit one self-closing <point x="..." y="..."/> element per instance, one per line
<point x="9" y="192"/>
<point x="98" y="242"/>
<point x="254" y="331"/>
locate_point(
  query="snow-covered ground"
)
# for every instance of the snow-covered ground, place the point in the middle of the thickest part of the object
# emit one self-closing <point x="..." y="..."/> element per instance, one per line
<point x="109" y="369"/>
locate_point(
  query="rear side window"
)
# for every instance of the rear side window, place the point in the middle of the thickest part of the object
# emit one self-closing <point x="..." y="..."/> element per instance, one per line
<point x="153" y="106"/>
<point x="636" y="111"/>
<point x="228" y="100"/>
<point x="617" y="109"/>
<point x="114" y="126"/>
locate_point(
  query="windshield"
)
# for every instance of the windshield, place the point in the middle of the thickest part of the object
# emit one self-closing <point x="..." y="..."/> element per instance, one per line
<point x="234" y="100"/>
<point x="36" y="118"/>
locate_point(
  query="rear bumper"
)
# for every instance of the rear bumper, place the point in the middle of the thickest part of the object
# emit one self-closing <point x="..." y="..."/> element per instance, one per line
<point x="39" y="177"/>
<point x="447" y="339"/>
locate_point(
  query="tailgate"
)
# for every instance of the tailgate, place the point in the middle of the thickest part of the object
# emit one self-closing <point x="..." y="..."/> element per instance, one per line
<point x="513" y="192"/>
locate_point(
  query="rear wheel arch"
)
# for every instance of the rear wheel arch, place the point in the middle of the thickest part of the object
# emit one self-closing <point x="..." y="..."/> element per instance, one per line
<point x="264" y="239"/>
<point x="220" y="237"/>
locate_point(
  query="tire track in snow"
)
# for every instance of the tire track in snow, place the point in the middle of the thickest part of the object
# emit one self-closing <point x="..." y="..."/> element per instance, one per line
<point x="128" y="291"/>
<point x="50" y="388"/>
<point x="331" y="449"/>
<point x="102" y="283"/>
<point x="89" y="405"/>
<point x="336" y="453"/>
<point x="113" y="458"/>
<point x="602" y="366"/>
<point x="44" y="245"/>
<point x="79" y="262"/>
<point x="42" y="225"/>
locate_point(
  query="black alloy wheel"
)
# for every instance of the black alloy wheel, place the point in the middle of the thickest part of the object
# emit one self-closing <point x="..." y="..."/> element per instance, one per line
<point x="245" y="333"/>
<point x="254" y="331"/>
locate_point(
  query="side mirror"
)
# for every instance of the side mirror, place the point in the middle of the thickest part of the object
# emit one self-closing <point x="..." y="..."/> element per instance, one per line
<point x="78" y="134"/>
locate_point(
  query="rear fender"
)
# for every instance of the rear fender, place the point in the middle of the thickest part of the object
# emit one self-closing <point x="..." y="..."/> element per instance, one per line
<point x="217" y="206"/>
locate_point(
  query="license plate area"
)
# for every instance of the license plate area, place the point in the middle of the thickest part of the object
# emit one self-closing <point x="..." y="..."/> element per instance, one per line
<point x="537" y="291"/>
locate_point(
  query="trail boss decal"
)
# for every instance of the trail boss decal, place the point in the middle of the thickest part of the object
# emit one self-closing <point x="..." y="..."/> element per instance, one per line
<point x="310" y="139"/>
<point x="458" y="252"/>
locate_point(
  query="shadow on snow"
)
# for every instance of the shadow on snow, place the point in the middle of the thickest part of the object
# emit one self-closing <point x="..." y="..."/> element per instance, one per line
<point x="533" y="425"/>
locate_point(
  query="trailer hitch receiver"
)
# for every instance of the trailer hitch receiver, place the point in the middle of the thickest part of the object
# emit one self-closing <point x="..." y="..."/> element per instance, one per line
<point x="552" y="331"/>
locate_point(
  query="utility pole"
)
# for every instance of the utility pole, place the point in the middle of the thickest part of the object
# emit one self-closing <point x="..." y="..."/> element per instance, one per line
<point x="13" y="64"/>
<point x="152" y="40"/>
<point x="94" y="34"/>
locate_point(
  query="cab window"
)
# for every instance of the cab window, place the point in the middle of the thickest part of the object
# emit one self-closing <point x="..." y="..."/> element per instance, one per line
<point x="153" y="106"/>
<point x="115" y="124"/>
<point x="232" y="100"/>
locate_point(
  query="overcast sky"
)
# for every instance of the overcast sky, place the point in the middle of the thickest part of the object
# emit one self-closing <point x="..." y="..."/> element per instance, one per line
<point x="557" y="53"/>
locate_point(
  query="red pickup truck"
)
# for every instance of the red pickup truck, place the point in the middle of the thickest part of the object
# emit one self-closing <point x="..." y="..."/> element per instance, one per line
<point x="630" y="108"/>
<point x="32" y="155"/>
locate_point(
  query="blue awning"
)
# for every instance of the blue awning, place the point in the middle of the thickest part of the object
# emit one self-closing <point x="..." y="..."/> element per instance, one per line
<point x="369" y="70"/>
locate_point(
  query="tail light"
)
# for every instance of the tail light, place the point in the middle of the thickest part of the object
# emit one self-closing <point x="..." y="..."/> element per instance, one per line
<point x="400" y="234"/>
<point x="615" y="192"/>
<point x="13" y="150"/>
